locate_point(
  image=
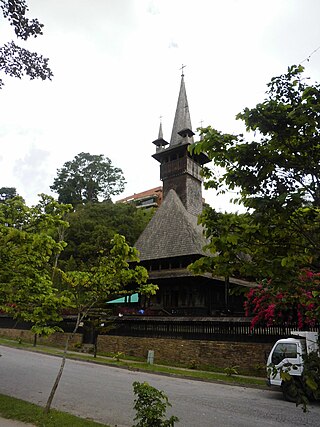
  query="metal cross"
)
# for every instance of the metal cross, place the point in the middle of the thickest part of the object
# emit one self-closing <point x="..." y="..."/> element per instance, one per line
<point x="183" y="66"/>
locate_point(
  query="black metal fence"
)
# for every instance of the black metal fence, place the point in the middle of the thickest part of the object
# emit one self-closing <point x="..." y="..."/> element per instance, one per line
<point x="212" y="330"/>
<point x="224" y="329"/>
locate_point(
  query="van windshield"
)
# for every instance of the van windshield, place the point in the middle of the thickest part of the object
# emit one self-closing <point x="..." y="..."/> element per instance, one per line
<point x="284" y="351"/>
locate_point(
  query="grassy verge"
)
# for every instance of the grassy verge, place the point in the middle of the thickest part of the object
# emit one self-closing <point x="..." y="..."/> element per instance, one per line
<point x="136" y="365"/>
<point x="17" y="409"/>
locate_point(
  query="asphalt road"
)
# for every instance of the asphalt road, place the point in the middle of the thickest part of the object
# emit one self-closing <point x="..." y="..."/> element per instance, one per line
<point x="105" y="394"/>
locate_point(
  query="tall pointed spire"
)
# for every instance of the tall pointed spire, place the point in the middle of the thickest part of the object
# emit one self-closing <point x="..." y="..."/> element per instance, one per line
<point x="182" y="121"/>
<point x="160" y="142"/>
<point x="160" y="135"/>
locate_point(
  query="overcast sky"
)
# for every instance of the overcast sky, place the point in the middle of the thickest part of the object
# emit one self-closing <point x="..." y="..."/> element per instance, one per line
<point x="116" y="71"/>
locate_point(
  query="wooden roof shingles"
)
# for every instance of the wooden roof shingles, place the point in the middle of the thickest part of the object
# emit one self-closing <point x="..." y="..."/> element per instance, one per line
<point x="171" y="232"/>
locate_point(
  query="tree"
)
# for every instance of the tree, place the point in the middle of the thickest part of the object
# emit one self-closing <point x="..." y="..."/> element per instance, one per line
<point x="277" y="240"/>
<point x="7" y="193"/>
<point x="280" y="168"/>
<point x="27" y="252"/>
<point x="112" y="277"/>
<point x="92" y="227"/>
<point x="16" y="61"/>
<point x="278" y="177"/>
<point x="86" y="178"/>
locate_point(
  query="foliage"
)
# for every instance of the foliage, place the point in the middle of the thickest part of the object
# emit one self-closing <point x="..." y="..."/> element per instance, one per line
<point x="7" y="193"/>
<point x="230" y="242"/>
<point x="92" y="227"/>
<point x="311" y="374"/>
<point x="119" y="355"/>
<point x="297" y="302"/>
<point x="281" y="168"/>
<point x="27" y="252"/>
<point x="231" y="370"/>
<point x="277" y="176"/>
<point x="86" y="178"/>
<point x="259" y="245"/>
<point x="112" y="276"/>
<point x="16" y="61"/>
<point x="150" y="406"/>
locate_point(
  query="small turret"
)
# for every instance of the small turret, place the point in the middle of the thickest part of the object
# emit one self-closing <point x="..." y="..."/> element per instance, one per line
<point x="160" y="143"/>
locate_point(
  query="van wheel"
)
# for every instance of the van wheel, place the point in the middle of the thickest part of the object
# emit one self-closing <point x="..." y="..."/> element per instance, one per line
<point x="289" y="390"/>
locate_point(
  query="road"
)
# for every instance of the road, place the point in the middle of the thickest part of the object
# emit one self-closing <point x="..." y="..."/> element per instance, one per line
<point x="105" y="394"/>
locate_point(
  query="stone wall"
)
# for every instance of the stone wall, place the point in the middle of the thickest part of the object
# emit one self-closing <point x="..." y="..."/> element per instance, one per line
<point x="57" y="339"/>
<point x="250" y="357"/>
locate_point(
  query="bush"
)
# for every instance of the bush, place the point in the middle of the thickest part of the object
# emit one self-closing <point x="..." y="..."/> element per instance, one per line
<point x="150" y="406"/>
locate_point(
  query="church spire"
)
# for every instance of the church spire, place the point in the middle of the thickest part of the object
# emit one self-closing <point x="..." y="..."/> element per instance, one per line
<point x="160" y="135"/>
<point x="182" y="122"/>
<point x="160" y="142"/>
<point x="180" y="170"/>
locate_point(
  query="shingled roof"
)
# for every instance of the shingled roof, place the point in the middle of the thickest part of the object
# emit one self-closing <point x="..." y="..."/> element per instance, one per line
<point x="171" y="232"/>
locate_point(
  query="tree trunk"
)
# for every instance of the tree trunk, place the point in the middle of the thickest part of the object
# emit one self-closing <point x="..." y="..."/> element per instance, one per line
<point x="64" y="356"/>
<point x="63" y="362"/>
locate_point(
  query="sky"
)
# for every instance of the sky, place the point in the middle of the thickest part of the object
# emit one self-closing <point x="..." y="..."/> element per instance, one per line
<point x="116" y="66"/>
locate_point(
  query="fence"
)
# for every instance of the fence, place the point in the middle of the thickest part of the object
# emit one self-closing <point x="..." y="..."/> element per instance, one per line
<point x="212" y="330"/>
<point x="222" y="329"/>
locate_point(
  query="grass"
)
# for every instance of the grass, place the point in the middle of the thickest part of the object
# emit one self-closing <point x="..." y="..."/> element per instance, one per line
<point x="17" y="409"/>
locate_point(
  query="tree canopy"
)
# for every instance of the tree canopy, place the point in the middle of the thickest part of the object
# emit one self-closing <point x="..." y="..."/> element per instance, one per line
<point x="278" y="177"/>
<point x="7" y="193"/>
<point x="17" y="61"/>
<point x="280" y="167"/>
<point x="31" y="241"/>
<point x="92" y="227"/>
<point x="87" y="178"/>
<point x="28" y="248"/>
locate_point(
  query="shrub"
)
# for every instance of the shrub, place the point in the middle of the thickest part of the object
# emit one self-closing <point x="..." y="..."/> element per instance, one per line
<point x="150" y="406"/>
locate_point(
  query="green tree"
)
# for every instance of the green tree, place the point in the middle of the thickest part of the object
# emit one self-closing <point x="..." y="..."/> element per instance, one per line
<point x="17" y="61"/>
<point x="278" y="178"/>
<point x="28" y="249"/>
<point x="277" y="240"/>
<point x="86" y="178"/>
<point x="151" y="405"/>
<point x="92" y="227"/>
<point x="7" y="193"/>
<point x="279" y="167"/>
<point x="113" y="276"/>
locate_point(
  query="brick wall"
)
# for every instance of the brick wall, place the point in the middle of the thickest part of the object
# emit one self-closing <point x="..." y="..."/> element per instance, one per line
<point x="250" y="357"/>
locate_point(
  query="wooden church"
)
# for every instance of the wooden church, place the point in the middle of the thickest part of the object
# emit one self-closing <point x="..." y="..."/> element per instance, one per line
<point x="173" y="239"/>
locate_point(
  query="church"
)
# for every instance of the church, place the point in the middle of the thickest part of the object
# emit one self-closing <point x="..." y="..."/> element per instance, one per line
<point x="173" y="239"/>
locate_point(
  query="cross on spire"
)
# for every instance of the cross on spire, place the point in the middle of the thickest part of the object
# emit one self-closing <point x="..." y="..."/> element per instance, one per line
<point x="182" y="68"/>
